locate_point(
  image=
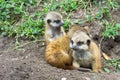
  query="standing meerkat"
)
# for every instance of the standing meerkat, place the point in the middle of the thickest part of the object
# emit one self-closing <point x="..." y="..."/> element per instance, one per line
<point x="85" y="52"/>
<point x="53" y="26"/>
<point x="58" y="53"/>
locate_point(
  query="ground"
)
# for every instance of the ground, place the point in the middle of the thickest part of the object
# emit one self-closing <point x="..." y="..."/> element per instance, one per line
<point x="27" y="61"/>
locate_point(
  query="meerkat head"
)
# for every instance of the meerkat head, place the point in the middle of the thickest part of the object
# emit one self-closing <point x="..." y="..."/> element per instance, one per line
<point x="54" y="19"/>
<point x="80" y="41"/>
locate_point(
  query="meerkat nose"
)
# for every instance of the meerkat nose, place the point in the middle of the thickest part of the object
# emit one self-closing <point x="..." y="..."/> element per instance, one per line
<point x="62" y="23"/>
<point x="74" y="47"/>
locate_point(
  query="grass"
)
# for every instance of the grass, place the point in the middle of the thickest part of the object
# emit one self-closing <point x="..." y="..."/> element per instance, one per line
<point x="112" y="30"/>
<point x="112" y="65"/>
<point x="32" y="25"/>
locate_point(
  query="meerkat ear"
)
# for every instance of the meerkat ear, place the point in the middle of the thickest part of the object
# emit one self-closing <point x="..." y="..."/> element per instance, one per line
<point x="48" y="21"/>
<point x="87" y="28"/>
<point x="88" y="42"/>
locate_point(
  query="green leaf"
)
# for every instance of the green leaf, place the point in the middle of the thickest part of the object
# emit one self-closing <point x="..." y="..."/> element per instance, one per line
<point x="8" y="16"/>
<point x="89" y="17"/>
<point x="106" y="70"/>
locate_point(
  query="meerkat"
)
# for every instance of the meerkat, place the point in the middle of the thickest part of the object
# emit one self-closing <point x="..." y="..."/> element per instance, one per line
<point x="53" y="26"/>
<point x="85" y="52"/>
<point x="58" y="53"/>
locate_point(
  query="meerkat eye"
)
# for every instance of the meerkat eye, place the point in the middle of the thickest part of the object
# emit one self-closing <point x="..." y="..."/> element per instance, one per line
<point x="48" y="21"/>
<point x="57" y="21"/>
<point x="71" y="41"/>
<point x="88" y="42"/>
<point x="79" y="43"/>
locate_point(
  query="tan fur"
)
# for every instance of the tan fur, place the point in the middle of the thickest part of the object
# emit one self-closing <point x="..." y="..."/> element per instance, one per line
<point x="75" y="28"/>
<point x="84" y="54"/>
<point x="53" y="30"/>
<point x="58" y="53"/>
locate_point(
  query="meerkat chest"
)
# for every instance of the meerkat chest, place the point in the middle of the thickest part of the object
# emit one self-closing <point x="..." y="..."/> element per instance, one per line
<point x="55" y="34"/>
<point x="83" y="58"/>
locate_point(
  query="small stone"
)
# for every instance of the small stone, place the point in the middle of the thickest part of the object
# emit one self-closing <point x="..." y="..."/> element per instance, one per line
<point x="63" y="78"/>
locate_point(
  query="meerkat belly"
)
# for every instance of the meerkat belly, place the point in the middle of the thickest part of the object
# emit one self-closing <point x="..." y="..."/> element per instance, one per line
<point x="84" y="59"/>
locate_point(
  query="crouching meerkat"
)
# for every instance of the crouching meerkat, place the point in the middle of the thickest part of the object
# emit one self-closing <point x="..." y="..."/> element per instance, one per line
<point x="53" y="26"/>
<point x="85" y="52"/>
<point x="59" y="54"/>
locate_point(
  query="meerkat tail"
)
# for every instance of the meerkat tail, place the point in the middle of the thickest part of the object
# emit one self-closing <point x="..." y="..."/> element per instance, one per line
<point x="106" y="57"/>
<point x="84" y="69"/>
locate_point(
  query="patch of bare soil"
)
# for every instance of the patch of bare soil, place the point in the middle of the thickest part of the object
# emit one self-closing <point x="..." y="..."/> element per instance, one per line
<point x="27" y="63"/>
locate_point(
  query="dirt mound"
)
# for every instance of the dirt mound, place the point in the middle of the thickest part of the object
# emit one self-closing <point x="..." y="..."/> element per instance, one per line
<point x="109" y="46"/>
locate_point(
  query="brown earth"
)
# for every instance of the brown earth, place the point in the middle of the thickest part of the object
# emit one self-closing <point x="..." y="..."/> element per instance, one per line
<point x="27" y="61"/>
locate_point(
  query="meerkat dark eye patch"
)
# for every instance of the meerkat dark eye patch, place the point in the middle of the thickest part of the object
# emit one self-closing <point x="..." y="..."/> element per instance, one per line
<point x="88" y="42"/>
<point x="48" y="21"/>
<point x="80" y="43"/>
<point x="57" y="21"/>
<point x="71" y="41"/>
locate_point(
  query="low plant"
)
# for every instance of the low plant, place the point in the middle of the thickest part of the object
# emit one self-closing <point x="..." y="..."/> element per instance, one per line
<point x="13" y="11"/>
<point x="69" y="5"/>
<point x="16" y="20"/>
<point x="112" y="30"/>
<point x="114" y="64"/>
